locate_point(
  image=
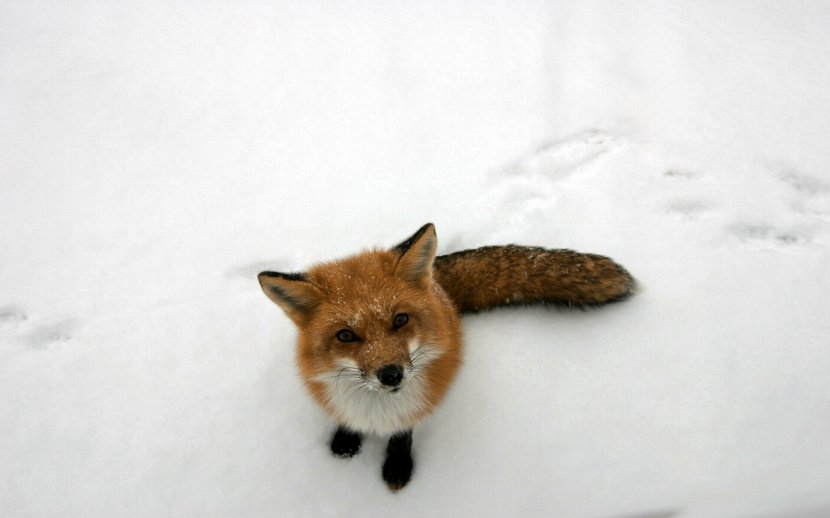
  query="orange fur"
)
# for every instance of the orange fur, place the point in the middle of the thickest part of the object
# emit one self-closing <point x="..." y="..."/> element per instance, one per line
<point x="362" y="294"/>
<point x="494" y="276"/>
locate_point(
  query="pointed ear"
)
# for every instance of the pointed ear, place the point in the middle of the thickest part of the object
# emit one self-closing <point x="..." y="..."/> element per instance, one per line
<point x="417" y="254"/>
<point x="292" y="292"/>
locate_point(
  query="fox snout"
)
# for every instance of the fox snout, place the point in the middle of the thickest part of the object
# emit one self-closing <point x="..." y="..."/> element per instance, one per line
<point x="390" y="375"/>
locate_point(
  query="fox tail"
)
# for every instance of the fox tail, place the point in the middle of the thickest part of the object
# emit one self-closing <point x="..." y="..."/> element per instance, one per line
<point x="493" y="276"/>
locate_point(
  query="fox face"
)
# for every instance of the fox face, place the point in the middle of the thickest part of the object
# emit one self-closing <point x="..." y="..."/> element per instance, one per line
<point x="373" y="330"/>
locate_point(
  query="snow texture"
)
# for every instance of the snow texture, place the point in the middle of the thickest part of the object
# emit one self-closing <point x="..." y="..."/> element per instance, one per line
<point x="154" y="156"/>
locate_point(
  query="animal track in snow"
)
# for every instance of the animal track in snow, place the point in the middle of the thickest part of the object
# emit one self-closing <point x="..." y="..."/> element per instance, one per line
<point x="811" y="195"/>
<point x="778" y="208"/>
<point x="11" y="317"/>
<point x="804" y="184"/>
<point x="692" y="202"/>
<point x="44" y="337"/>
<point x="792" y="205"/>
<point x="687" y="208"/>
<point x="533" y="184"/>
<point x="17" y="327"/>
<point x="557" y="157"/>
<point x="682" y="174"/>
<point x="767" y="236"/>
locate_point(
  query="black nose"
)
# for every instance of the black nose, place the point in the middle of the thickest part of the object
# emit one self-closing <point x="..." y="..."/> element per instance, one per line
<point x="390" y="375"/>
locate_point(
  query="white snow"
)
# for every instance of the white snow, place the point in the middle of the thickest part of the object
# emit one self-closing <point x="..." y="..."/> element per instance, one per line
<point x="155" y="156"/>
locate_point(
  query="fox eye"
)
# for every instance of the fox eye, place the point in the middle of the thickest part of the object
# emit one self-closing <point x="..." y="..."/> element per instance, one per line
<point x="400" y="320"/>
<point x="346" y="336"/>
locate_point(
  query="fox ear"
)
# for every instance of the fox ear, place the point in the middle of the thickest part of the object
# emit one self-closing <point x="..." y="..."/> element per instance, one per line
<point x="292" y="292"/>
<point x="417" y="254"/>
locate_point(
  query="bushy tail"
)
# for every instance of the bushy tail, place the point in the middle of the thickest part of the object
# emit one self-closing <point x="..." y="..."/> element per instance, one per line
<point x="493" y="276"/>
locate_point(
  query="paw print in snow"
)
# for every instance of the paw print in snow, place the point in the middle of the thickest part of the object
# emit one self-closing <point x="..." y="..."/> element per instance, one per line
<point x="11" y="317"/>
<point x="560" y="157"/>
<point x="17" y="327"/>
<point x="762" y="235"/>
<point x="811" y="195"/>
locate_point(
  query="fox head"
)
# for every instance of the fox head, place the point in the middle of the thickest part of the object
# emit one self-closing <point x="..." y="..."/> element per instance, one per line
<point x="370" y="321"/>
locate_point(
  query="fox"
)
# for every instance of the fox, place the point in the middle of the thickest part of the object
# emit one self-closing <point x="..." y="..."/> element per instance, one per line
<point x="379" y="336"/>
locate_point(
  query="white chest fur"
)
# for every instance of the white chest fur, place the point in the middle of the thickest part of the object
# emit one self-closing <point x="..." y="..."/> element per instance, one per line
<point x="364" y="405"/>
<point x="377" y="411"/>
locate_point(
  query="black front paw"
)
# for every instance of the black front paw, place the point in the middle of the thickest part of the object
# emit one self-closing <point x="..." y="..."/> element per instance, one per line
<point x="345" y="443"/>
<point x="397" y="470"/>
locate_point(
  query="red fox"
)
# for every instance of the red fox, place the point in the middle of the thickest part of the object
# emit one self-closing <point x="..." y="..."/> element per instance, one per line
<point x="379" y="333"/>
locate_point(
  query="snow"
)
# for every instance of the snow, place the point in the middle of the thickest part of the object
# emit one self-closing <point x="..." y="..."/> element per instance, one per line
<point x="155" y="156"/>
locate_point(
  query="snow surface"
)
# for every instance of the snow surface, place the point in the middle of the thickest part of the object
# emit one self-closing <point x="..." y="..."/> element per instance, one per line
<point x="154" y="156"/>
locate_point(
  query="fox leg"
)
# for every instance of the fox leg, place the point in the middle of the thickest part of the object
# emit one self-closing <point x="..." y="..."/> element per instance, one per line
<point x="397" y="469"/>
<point x="345" y="442"/>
